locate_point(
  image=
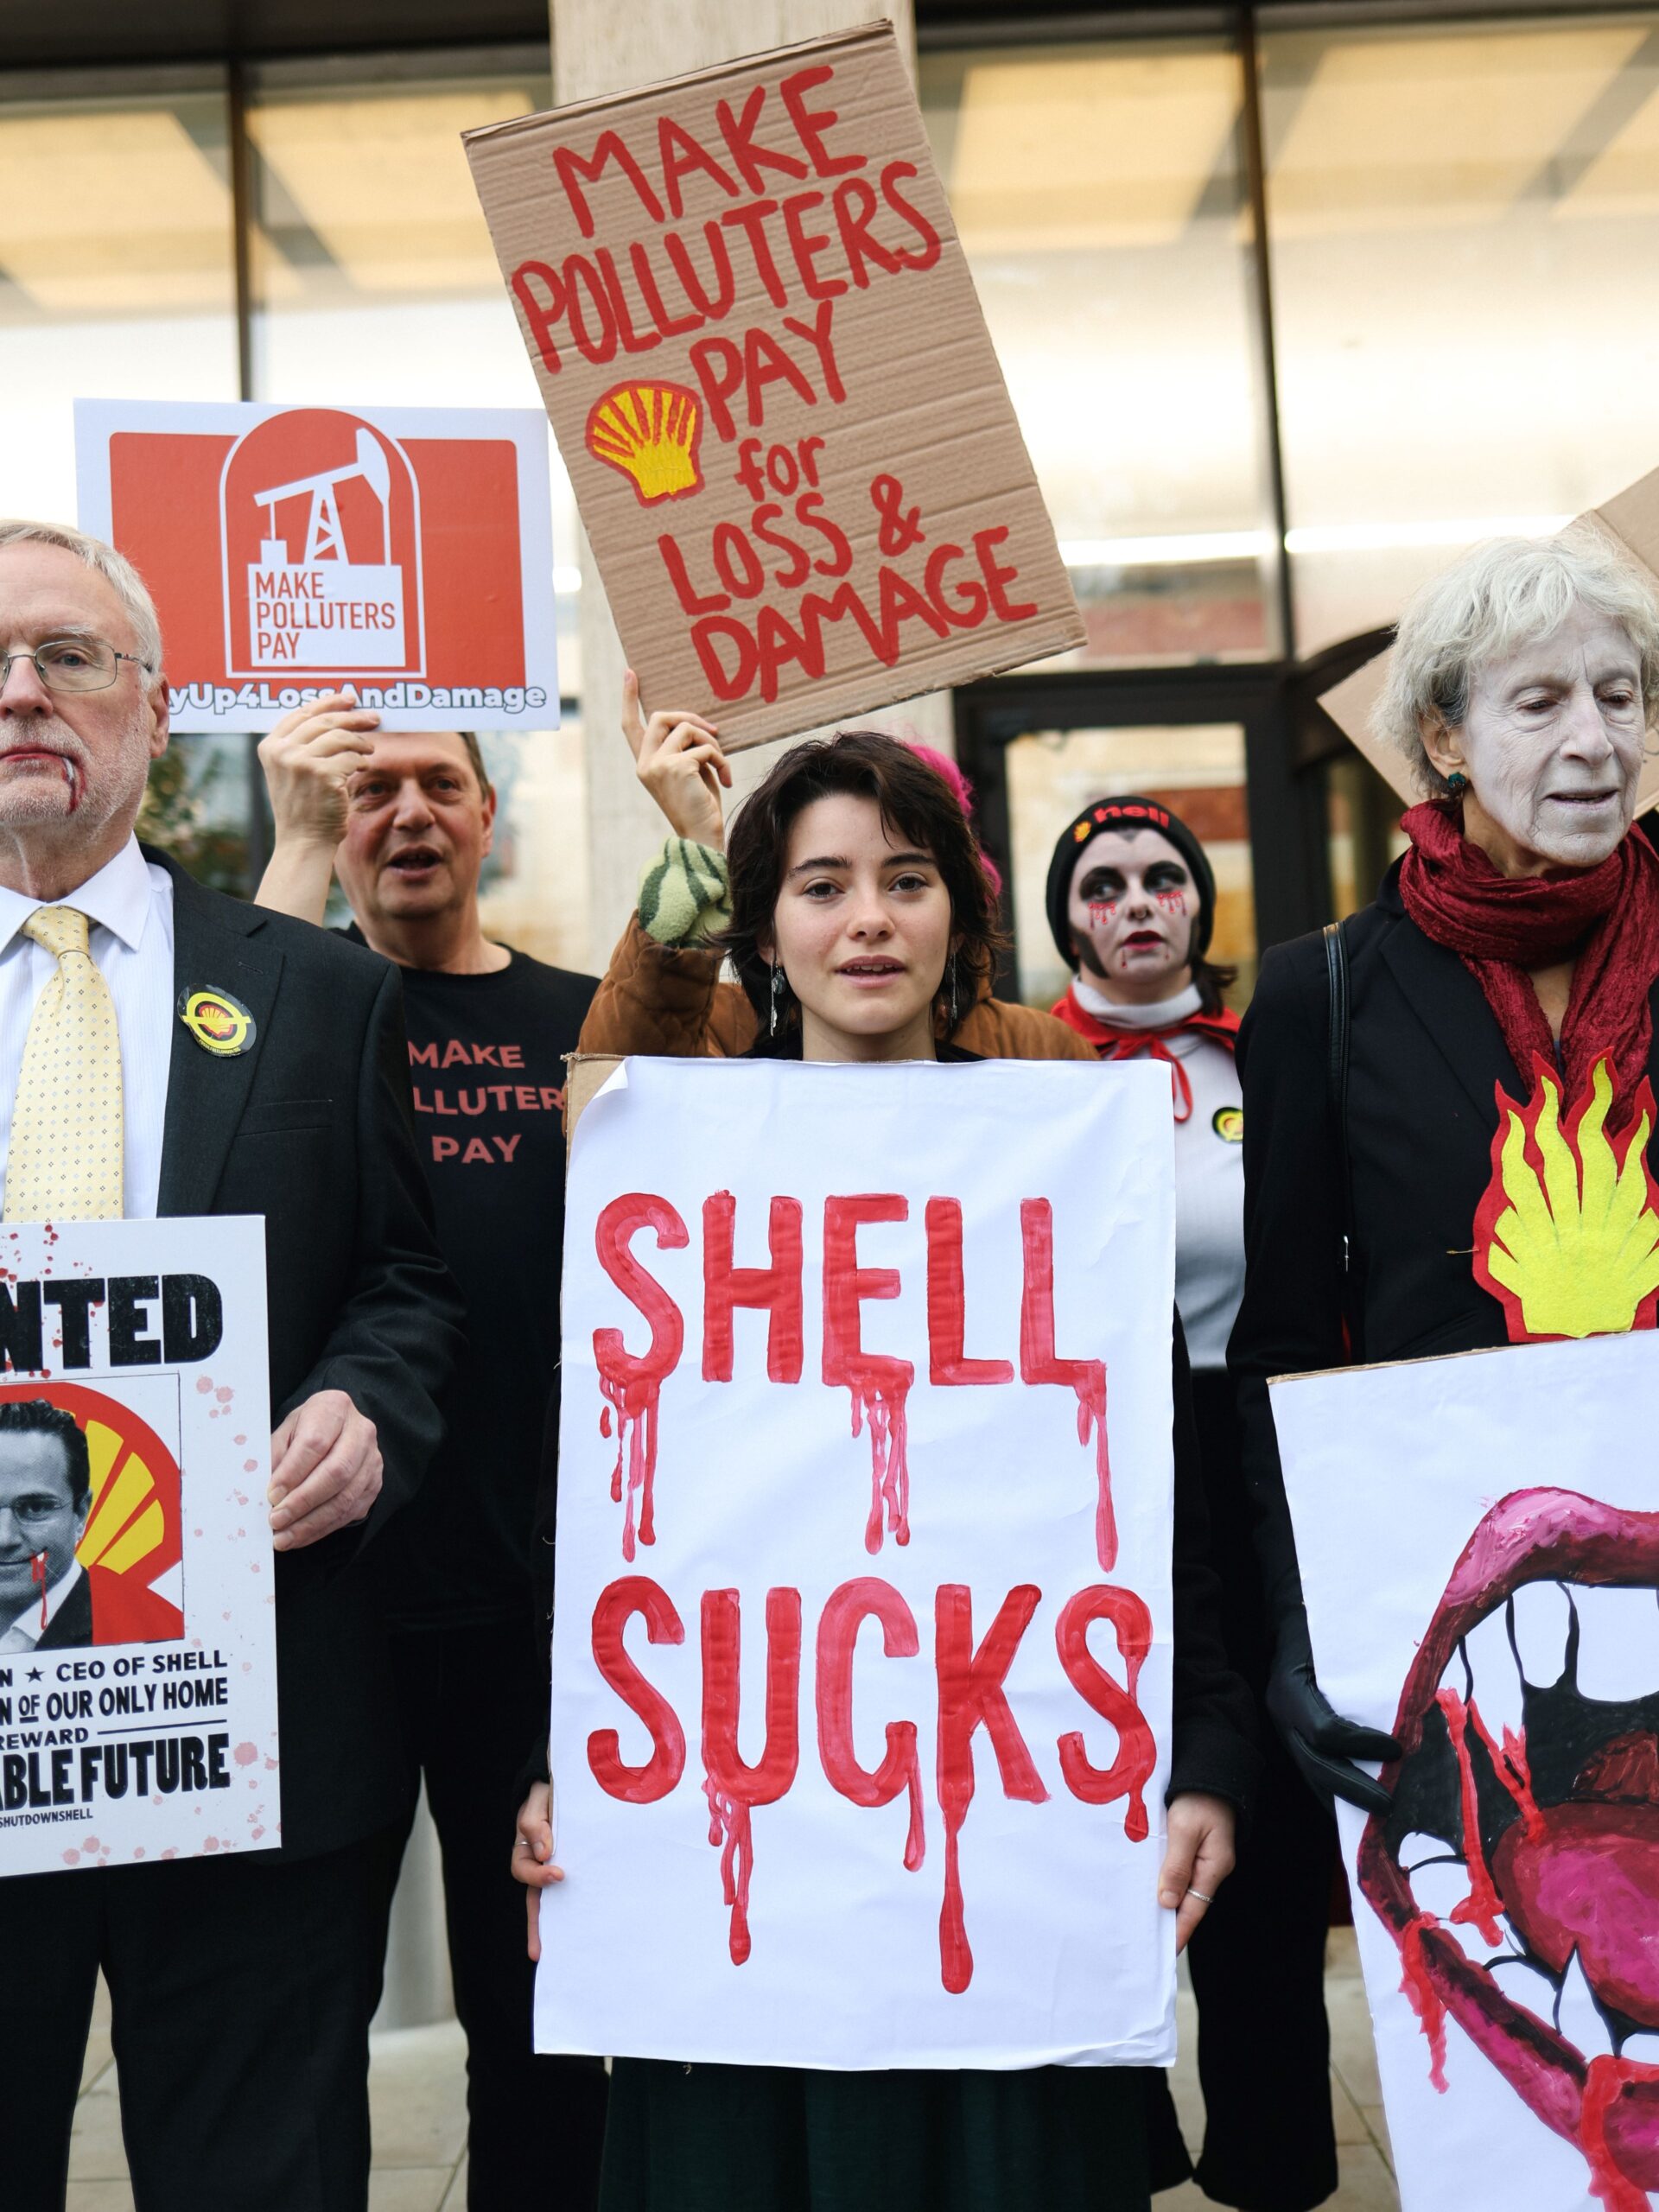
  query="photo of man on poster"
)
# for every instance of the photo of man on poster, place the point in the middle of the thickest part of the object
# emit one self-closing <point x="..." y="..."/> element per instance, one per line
<point x="48" y="1600"/>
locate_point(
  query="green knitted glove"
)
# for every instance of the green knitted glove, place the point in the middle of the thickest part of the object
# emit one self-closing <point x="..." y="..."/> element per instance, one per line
<point x="685" y="895"/>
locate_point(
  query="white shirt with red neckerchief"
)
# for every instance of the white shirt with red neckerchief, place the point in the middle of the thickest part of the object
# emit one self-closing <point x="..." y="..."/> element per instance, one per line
<point x="1209" y="1168"/>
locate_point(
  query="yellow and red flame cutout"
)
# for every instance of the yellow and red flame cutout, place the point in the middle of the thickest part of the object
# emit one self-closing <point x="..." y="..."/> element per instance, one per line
<point x="134" y="1526"/>
<point x="1566" y="1236"/>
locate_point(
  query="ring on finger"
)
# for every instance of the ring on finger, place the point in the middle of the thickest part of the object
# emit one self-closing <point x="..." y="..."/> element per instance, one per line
<point x="1200" y="1894"/>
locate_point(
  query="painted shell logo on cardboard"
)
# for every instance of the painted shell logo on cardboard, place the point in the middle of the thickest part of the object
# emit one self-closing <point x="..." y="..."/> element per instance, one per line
<point x="1566" y="1236"/>
<point x="650" y="434"/>
<point x="1515" y="1868"/>
<point x="219" y="1024"/>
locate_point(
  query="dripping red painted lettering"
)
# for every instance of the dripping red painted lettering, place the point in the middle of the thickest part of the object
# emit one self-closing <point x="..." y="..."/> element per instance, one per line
<point x="865" y="1599"/>
<point x="970" y="1691"/>
<point x="1131" y="1770"/>
<point x="878" y="1384"/>
<point x="947" y="1304"/>
<point x="778" y="1288"/>
<point x="1424" y="1998"/>
<point x="636" y="1785"/>
<point x="37" y="1575"/>
<point x="1605" y="2081"/>
<point x="1039" y="1362"/>
<point x="633" y="1384"/>
<point x="732" y="1788"/>
<point x="1480" y="1908"/>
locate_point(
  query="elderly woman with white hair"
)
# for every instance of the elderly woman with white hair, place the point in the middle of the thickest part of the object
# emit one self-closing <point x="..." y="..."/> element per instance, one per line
<point x="1509" y="959"/>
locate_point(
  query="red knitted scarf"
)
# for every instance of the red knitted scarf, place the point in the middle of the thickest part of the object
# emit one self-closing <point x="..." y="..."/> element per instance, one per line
<point x="1500" y="927"/>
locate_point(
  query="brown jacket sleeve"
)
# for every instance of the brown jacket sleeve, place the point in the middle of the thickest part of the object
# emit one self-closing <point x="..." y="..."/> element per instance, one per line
<point x="667" y="1001"/>
<point x="672" y="1002"/>
<point x="1003" y="1032"/>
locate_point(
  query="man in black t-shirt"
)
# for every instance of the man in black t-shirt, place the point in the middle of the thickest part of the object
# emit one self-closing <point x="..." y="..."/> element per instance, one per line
<point x="406" y="822"/>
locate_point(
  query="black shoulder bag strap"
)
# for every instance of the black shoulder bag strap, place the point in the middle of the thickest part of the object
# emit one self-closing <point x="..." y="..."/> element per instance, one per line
<point x="1336" y="1079"/>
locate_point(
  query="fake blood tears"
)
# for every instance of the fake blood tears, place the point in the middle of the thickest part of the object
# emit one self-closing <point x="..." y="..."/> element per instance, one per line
<point x="970" y="1675"/>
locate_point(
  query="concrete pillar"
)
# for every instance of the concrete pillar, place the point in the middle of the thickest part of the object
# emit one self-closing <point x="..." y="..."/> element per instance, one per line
<point x="600" y="48"/>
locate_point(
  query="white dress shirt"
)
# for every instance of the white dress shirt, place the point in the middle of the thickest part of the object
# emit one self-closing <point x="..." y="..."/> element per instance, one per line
<point x="1209" y="1171"/>
<point x="28" y="1628"/>
<point x="129" y="905"/>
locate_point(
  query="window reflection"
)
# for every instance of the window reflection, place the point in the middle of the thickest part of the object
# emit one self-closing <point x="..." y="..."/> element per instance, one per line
<point x="116" y="267"/>
<point x="1462" y="218"/>
<point x="1096" y="192"/>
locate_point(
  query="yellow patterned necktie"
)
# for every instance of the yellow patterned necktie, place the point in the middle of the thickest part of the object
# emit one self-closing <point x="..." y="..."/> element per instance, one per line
<point x="64" y="1160"/>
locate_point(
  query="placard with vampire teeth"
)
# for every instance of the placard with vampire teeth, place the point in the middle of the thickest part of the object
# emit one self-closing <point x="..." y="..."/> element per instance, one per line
<point x="138" y="1628"/>
<point x="861" y="1662"/>
<point x="754" y="329"/>
<point x="1479" y="1545"/>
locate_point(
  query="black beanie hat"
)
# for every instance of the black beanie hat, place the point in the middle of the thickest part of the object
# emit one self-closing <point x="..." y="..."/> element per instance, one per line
<point x="1128" y="812"/>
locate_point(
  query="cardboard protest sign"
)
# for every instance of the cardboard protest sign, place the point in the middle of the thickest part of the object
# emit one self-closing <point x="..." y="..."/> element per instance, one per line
<point x="1630" y="520"/>
<point x="751" y="322"/>
<point x="861" y="1662"/>
<point x="408" y="551"/>
<point x="137" y="1636"/>
<point x="1479" y="1548"/>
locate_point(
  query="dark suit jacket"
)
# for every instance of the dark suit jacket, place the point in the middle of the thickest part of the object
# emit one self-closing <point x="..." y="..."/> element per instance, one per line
<point x="312" y="1128"/>
<point x="1426" y="1056"/>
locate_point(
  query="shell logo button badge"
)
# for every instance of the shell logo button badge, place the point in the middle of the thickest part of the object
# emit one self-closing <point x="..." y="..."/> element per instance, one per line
<point x="219" y="1024"/>
<point x="1228" y="1122"/>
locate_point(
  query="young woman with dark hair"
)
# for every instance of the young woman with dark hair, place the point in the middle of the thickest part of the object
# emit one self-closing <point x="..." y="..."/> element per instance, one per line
<point x="662" y="992"/>
<point x="861" y="921"/>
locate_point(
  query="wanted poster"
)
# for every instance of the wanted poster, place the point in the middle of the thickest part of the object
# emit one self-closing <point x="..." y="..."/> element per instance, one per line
<point x="137" y="1631"/>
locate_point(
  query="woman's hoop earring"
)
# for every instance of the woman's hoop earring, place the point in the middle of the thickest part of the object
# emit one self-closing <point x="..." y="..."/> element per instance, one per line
<point x="777" y="997"/>
<point x="1456" y="783"/>
<point x="952" y="972"/>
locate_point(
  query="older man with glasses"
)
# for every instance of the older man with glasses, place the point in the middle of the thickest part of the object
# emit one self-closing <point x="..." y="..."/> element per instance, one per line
<point x="241" y="1985"/>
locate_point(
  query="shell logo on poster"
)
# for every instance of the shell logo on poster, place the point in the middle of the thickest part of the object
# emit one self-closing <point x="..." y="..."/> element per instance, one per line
<point x="292" y="550"/>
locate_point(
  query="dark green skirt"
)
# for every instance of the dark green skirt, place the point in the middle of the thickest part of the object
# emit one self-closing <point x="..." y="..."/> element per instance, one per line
<point x="763" y="2139"/>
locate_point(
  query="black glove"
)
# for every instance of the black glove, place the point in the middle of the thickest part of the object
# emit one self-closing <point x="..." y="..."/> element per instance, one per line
<point x="1323" y="1743"/>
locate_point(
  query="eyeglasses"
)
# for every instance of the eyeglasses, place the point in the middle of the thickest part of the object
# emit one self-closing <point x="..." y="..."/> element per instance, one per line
<point x="73" y="664"/>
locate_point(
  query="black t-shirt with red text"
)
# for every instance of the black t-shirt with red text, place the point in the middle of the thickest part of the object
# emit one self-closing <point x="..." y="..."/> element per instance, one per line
<point x="486" y="1065"/>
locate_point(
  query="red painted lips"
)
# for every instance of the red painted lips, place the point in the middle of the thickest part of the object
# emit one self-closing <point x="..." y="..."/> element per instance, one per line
<point x="1554" y="1830"/>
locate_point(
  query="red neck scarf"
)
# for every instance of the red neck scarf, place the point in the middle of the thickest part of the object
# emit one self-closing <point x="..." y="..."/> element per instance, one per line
<point x="1500" y="927"/>
<point x="1114" y="1044"/>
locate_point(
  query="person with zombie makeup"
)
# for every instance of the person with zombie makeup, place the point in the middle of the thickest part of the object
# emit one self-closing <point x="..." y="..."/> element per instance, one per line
<point x="1131" y="904"/>
<point x="663" y="991"/>
<point x="861" y="924"/>
<point x="1478" y="1172"/>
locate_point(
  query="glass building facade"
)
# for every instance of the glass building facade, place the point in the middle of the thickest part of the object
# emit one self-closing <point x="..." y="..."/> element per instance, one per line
<point x="1292" y="303"/>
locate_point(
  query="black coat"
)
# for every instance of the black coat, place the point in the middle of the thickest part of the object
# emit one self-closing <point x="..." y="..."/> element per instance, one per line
<point x="1425" y="1055"/>
<point x="312" y="1130"/>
